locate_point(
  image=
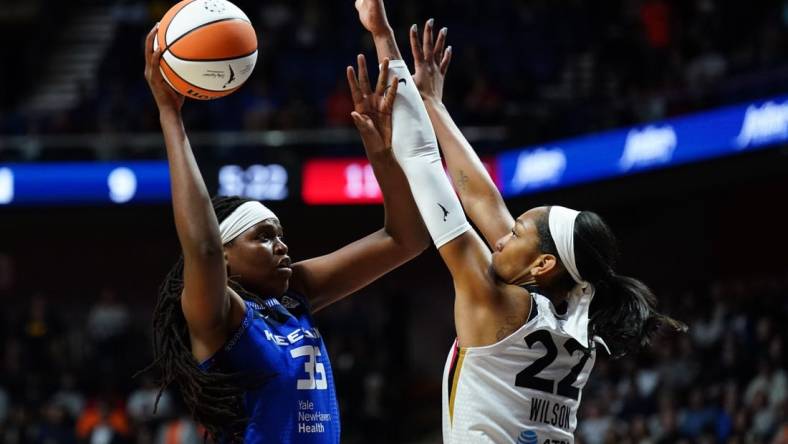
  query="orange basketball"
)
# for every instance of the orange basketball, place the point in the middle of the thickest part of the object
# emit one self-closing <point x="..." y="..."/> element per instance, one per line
<point x="210" y="48"/>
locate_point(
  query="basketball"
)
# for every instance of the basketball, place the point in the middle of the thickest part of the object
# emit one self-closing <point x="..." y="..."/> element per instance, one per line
<point x="210" y="48"/>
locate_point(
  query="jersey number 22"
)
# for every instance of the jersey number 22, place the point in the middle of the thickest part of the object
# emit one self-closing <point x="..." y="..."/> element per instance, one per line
<point x="528" y="379"/>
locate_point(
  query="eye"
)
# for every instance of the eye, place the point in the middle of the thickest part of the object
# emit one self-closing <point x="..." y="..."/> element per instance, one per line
<point x="263" y="237"/>
<point x="514" y="233"/>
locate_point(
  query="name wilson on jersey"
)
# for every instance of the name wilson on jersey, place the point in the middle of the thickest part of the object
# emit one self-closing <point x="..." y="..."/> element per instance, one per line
<point x="550" y="413"/>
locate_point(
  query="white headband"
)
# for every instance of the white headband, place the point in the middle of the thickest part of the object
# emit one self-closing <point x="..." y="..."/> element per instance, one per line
<point x="575" y="322"/>
<point x="243" y="218"/>
<point x="562" y="228"/>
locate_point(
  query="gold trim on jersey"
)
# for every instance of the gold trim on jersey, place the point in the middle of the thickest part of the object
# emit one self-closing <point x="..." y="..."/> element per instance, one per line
<point x="455" y="381"/>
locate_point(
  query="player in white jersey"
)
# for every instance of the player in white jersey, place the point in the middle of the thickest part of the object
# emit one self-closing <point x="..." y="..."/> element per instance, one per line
<point x="528" y="319"/>
<point x="528" y="314"/>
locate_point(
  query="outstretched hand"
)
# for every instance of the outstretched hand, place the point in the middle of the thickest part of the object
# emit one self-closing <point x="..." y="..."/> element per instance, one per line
<point x="431" y="58"/>
<point x="372" y="109"/>
<point x="166" y="97"/>
<point x="372" y="14"/>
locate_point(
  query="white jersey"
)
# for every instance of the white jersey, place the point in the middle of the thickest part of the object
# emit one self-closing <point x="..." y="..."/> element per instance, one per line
<point x="524" y="389"/>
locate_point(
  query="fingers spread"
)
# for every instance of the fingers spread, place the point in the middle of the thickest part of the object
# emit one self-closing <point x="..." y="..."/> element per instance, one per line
<point x="440" y="43"/>
<point x="415" y="45"/>
<point x="388" y="101"/>
<point x="446" y="60"/>
<point x="363" y="76"/>
<point x="383" y="78"/>
<point x="352" y="81"/>
<point x="428" y="38"/>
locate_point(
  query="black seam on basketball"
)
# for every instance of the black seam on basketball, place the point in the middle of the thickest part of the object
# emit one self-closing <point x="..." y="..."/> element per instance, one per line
<point x="164" y="38"/>
<point x="194" y="29"/>
<point x="212" y="60"/>
<point x="195" y="86"/>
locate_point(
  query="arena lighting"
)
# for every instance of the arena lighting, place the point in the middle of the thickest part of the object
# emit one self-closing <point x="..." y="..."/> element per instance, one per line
<point x="100" y="183"/>
<point x="346" y="181"/>
<point x="701" y="136"/>
<point x="81" y="183"/>
<point x="718" y="133"/>
<point x="6" y="186"/>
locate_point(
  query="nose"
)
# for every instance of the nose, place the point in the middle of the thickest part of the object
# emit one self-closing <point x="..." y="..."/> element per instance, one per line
<point x="502" y="241"/>
<point x="280" y="247"/>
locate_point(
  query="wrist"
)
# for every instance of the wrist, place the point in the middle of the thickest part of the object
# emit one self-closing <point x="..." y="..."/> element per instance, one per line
<point x="433" y="101"/>
<point x="169" y="113"/>
<point x="382" y="156"/>
<point x="385" y="33"/>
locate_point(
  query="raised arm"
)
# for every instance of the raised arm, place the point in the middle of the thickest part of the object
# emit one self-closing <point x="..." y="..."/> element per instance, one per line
<point x="372" y="15"/>
<point x="480" y="303"/>
<point x="479" y="195"/>
<point x="329" y="278"/>
<point x="205" y="301"/>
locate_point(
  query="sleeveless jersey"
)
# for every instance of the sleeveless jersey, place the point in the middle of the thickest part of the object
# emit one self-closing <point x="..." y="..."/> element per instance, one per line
<point x="298" y="405"/>
<point x="524" y="389"/>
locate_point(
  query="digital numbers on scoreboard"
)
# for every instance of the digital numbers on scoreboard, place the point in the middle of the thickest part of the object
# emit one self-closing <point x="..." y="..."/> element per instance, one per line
<point x="258" y="182"/>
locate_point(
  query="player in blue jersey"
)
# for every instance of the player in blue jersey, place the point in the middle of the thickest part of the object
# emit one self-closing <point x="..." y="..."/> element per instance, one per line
<point x="233" y="324"/>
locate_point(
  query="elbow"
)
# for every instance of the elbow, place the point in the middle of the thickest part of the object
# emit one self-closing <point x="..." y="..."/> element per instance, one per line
<point x="417" y="244"/>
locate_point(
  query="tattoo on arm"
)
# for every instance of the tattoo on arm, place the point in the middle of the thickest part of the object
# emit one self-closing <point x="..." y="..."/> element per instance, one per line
<point x="462" y="181"/>
<point x="391" y="47"/>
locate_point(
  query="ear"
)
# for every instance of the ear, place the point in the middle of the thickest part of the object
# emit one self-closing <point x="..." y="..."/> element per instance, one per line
<point x="544" y="265"/>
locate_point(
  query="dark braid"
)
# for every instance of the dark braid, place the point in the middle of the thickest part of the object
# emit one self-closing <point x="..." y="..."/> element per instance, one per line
<point x="214" y="399"/>
<point x="623" y="311"/>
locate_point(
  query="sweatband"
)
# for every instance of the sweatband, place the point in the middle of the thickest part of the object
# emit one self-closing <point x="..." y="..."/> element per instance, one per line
<point x="243" y="218"/>
<point x="416" y="149"/>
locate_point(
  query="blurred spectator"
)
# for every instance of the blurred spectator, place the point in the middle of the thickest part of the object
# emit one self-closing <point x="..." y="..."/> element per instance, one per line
<point x="102" y="423"/>
<point x="575" y="67"/>
<point x="68" y="396"/>
<point x="725" y="384"/>
<point x="697" y="416"/>
<point x="595" y="424"/>
<point x="763" y="418"/>
<point x="142" y="401"/>
<point x="769" y="382"/>
<point x="108" y="319"/>
<point x="56" y="426"/>
<point x="181" y="430"/>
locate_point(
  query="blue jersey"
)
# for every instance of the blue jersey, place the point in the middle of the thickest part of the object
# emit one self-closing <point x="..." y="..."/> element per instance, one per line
<point x="298" y="405"/>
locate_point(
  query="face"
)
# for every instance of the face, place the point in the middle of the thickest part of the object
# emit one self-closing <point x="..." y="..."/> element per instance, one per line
<point x="517" y="258"/>
<point x="258" y="260"/>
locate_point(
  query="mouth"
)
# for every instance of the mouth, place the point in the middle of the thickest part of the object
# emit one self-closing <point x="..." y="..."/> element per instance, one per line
<point x="284" y="263"/>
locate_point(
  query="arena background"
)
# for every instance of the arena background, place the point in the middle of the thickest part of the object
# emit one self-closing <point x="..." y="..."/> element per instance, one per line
<point x="78" y="280"/>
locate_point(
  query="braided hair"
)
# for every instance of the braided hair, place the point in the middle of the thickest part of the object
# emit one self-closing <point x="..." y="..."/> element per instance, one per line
<point x="623" y="311"/>
<point x="213" y="398"/>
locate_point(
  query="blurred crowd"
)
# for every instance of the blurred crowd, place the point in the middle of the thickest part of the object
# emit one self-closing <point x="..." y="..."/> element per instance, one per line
<point x="723" y="382"/>
<point x="66" y="372"/>
<point x="541" y="69"/>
